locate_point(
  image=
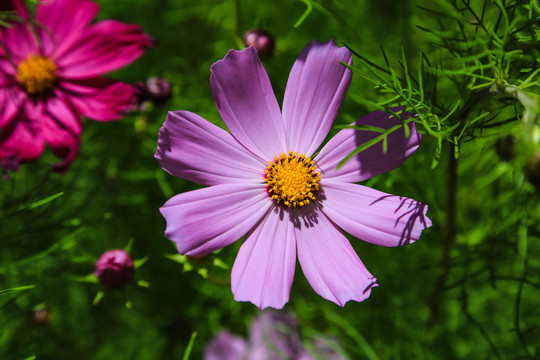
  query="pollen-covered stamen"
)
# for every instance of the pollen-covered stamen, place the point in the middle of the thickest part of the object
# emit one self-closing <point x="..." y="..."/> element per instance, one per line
<point x="37" y="74"/>
<point x="292" y="179"/>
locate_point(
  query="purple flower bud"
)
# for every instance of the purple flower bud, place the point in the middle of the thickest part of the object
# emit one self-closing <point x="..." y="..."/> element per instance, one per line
<point x="114" y="268"/>
<point x="159" y="89"/>
<point x="260" y="40"/>
<point x="41" y="317"/>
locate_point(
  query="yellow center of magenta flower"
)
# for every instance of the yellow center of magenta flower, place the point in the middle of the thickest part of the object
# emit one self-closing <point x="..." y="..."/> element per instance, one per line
<point x="292" y="179"/>
<point x="37" y="74"/>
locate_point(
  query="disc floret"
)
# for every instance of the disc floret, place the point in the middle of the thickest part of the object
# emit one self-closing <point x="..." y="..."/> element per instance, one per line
<point x="37" y="74"/>
<point x="292" y="179"/>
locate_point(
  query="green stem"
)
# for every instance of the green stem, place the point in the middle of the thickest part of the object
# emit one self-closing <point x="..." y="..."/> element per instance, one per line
<point x="450" y="235"/>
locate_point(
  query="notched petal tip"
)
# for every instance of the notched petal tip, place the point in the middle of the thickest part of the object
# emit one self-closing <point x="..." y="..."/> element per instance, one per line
<point x="261" y="305"/>
<point x="234" y="55"/>
<point x="366" y="293"/>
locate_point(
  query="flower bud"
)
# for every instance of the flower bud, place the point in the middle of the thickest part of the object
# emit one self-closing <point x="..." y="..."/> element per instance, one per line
<point x="41" y="317"/>
<point x="159" y="89"/>
<point x="260" y="40"/>
<point x="114" y="268"/>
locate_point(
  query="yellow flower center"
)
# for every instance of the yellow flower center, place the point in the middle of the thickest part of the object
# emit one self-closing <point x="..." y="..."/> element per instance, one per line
<point x="37" y="74"/>
<point x="292" y="180"/>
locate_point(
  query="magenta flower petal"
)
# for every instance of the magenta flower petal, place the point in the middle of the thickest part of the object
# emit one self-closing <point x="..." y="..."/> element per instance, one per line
<point x="246" y="102"/>
<point x="372" y="161"/>
<point x="315" y="90"/>
<point x="264" y="268"/>
<point x="7" y="71"/>
<point x="10" y="102"/>
<point x="209" y="219"/>
<point x="17" y="42"/>
<point x="374" y="216"/>
<point x="192" y="148"/>
<point x="19" y="144"/>
<point x="100" y="99"/>
<point x="63" y="114"/>
<point x="328" y="260"/>
<point x="60" y="122"/>
<point x="67" y="20"/>
<point x="226" y="346"/>
<point x="105" y="46"/>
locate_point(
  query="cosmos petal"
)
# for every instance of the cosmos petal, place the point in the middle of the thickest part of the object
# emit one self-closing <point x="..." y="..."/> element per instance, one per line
<point x="372" y="161"/>
<point x="10" y="103"/>
<point x="208" y="219"/>
<point x="61" y="128"/>
<point x="264" y="268"/>
<point x="19" y="144"/>
<point x="372" y="215"/>
<point x="105" y="46"/>
<point x="247" y="104"/>
<point x="315" y="90"/>
<point x="328" y="260"/>
<point x="62" y="112"/>
<point x="194" y="149"/>
<point x="7" y="71"/>
<point x="17" y="42"/>
<point x="100" y="99"/>
<point x="67" y="20"/>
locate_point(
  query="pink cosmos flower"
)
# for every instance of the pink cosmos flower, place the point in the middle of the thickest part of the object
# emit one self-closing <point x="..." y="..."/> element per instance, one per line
<point x="266" y="183"/>
<point x="50" y="70"/>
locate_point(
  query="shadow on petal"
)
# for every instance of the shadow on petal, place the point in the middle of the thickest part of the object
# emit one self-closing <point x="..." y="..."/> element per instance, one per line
<point x="414" y="213"/>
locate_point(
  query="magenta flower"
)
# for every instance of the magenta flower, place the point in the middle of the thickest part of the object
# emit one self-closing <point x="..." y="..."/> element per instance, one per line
<point x="114" y="268"/>
<point x="264" y="180"/>
<point x="50" y="72"/>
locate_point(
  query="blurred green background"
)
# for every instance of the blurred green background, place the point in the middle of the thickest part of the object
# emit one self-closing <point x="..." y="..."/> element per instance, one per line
<point x="474" y="299"/>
